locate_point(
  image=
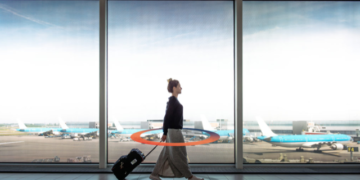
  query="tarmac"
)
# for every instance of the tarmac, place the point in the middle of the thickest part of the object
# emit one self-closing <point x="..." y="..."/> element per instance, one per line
<point x="267" y="153"/>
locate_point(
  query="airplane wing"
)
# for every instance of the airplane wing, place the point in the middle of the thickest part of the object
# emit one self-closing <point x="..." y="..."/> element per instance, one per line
<point x="48" y="133"/>
<point x="91" y="134"/>
<point x="201" y="136"/>
<point x="314" y="144"/>
<point x="154" y="134"/>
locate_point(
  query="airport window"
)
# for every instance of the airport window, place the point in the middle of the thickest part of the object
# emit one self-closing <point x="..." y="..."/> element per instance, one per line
<point x="49" y="77"/>
<point x="300" y="62"/>
<point x="191" y="41"/>
<point x="300" y="67"/>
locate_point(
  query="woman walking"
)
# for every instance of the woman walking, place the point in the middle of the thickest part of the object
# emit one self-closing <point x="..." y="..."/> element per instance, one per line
<point x="172" y="161"/>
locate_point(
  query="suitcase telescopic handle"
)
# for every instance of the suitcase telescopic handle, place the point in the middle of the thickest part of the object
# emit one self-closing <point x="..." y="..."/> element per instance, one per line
<point x="152" y="150"/>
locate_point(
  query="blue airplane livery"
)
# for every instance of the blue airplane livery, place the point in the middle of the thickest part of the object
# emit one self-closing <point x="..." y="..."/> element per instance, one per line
<point x="335" y="141"/>
<point x="225" y="135"/>
<point x="76" y="131"/>
<point x="40" y="131"/>
<point x="119" y="130"/>
<point x="128" y="132"/>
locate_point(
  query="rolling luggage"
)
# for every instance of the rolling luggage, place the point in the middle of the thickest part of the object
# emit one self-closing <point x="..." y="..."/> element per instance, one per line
<point x="127" y="163"/>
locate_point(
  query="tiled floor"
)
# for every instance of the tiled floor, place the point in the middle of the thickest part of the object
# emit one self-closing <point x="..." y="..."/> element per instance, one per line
<point x="73" y="176"/>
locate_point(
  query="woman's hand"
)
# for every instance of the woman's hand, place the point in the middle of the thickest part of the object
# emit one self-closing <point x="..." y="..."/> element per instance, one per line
<point x="163" y="138"/>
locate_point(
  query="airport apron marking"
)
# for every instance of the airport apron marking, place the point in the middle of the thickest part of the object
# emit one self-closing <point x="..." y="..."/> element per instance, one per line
<point x="213" y="137"/>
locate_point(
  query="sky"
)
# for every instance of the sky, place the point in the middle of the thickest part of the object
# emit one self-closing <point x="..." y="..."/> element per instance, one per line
<point x="300" y="60"/>
<point x="52" y="63"/>
<point x="150" y="42"/>
<point x="49" y="61"/>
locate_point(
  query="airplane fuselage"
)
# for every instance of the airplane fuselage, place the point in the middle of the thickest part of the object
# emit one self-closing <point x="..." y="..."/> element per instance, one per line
<point x="228" y="134"/>
<point x="39" y="130"/>
<point x="79" y="130"/>
<point x="307" y="141"/>
<point x="127" y="131"/>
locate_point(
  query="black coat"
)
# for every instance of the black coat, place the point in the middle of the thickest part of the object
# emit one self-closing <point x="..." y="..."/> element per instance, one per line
<point x="174" y="115"/>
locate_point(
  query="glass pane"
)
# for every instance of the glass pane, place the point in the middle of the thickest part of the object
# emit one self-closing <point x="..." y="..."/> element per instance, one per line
<point x="152" y="41"/>
<point x="301" y="96"/>
<point x="49" y="73"/>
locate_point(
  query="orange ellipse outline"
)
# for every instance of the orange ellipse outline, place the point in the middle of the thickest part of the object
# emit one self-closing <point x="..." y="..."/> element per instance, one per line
<point x="213" y="137"/>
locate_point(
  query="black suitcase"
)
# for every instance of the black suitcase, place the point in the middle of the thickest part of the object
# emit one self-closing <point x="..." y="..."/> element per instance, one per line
<point x="127" y="163"/>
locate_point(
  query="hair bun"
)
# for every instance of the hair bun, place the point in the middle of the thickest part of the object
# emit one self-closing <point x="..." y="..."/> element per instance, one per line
<point x="169" y="80"/>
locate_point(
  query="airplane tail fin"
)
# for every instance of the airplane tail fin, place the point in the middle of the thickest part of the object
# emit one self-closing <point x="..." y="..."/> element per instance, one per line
<point x="265" y="129"/>
<point x="118" y="126"/>
<point x="245" y="131"/>
<point x="21" y="125"/>
<point x="205" y="124"/>
<point x="62" y="124"/>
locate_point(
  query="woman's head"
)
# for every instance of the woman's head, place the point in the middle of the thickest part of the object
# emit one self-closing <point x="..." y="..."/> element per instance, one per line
<point x="174" y="86"/>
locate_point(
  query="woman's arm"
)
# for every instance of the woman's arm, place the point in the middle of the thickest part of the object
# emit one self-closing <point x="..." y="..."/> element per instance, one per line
<point x="170" y="109"/>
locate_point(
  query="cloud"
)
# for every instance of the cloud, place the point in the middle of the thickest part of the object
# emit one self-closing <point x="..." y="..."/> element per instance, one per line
<point x="27" y="17"/>
<point x="260" y="16"/>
